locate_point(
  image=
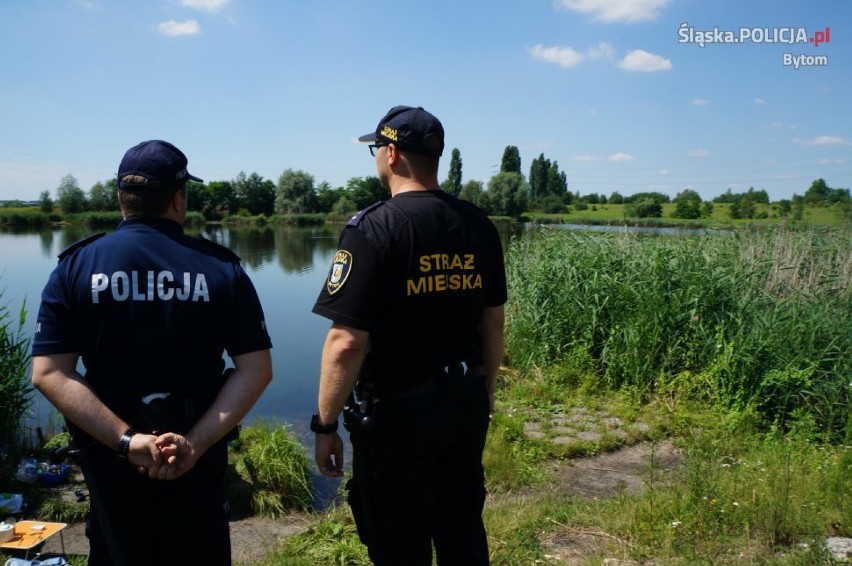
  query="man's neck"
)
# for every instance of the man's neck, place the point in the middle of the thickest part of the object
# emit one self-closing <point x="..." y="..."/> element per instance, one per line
<point x="401" y="185"/>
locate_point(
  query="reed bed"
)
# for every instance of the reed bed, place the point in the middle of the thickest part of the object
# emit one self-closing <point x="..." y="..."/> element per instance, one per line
<point x="756" y="321"/>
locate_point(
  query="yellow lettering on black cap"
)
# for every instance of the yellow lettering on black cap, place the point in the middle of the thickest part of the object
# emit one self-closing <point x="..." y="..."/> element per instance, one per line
<point x="389" y="133"/>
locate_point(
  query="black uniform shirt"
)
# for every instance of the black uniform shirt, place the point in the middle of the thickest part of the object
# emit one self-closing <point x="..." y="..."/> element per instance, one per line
<point x="416" y="272"/>
<point x="150" y="309"/>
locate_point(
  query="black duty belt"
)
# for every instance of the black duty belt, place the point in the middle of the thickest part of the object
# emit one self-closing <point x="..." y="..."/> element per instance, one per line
<point x="452" y="375"/>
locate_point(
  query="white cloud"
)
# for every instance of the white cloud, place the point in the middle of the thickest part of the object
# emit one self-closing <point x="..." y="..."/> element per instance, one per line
<point x="621" y="157"/>
<point x="588" y="158"/>
<point x="822" y="140"/>
<point x="699" y="153"/>
<point x="645" y="62"/>
<point x="172" y="28"/>
<point x="700" y="102"/>
<point x="616" y="10"/>
<point x="759" y="102"/>
<point x="206" y="5"/>
<point x="565" y="57"/>
<point x="836" y="161"/>
<point x="664" y="171"/>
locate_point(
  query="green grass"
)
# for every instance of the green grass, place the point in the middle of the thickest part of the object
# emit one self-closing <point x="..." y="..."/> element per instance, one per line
<point x="272" y="473"/>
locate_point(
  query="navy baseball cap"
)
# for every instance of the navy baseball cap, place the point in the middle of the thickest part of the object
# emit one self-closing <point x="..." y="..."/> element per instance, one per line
<point x="159" y="162"/>
<point x="411" y="129"/>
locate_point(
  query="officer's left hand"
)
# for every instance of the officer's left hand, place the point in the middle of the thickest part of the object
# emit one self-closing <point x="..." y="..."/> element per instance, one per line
<point x="179" y="456"/>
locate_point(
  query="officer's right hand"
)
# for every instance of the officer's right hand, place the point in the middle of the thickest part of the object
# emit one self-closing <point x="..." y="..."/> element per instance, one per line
<point x="328" y="454"/>
<point x="143" y="452"/>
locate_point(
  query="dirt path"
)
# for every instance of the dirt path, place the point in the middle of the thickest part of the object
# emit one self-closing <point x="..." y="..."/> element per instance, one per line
<point x="628" y="469"/>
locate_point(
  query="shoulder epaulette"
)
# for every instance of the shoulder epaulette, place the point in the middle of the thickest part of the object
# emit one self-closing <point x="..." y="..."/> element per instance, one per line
<point x="222" y="249"/>
<point x="79" y="244"/>
<point x="362" y="213"/>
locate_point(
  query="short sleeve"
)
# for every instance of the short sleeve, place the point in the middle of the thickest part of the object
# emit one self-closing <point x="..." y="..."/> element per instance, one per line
<point x="352" y="287"/>
<point x="247" y="330"/>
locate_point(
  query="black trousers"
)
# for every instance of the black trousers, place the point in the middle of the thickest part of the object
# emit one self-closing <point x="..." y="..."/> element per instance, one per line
<point x="184" y="521"/>
<point x="418" y="477"/>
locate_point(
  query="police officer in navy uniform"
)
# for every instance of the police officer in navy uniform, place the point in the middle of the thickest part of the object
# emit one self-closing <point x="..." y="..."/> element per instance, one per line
<point x="415" y="295"/>
<point x="150" y="311"/>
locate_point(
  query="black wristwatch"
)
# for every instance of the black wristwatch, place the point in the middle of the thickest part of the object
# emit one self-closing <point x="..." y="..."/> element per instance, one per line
<point x="322" y="428"/>
<point x="124" y="443"/>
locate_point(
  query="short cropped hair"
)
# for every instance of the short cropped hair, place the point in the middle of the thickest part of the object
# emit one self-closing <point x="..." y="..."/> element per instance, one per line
<point x="146" y="203"/>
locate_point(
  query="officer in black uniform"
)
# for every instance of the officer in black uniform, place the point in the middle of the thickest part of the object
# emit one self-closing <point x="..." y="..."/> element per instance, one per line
<point x="150" y="311"/>
<point x="415" y="295"/>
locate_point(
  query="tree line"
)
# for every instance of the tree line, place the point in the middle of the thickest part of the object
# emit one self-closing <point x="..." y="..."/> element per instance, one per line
<point x="508" y="193"/>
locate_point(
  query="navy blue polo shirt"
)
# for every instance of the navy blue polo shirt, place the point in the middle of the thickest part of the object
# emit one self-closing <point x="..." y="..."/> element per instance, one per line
<point x="416" y="271"/>
<point x="150" y="309"/>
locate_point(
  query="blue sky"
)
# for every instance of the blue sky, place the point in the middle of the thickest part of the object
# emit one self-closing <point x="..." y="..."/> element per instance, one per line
<point x="607" y="88"/>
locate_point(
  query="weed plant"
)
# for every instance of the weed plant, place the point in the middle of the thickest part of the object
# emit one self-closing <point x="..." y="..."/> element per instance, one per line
<point x="757" y="321"/>
<point x="273" y="471"/>
<point x="15" y="389"/>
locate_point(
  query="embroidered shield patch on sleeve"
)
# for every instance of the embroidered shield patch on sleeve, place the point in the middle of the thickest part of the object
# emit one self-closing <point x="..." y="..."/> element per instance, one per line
<point x="340" y="268"/>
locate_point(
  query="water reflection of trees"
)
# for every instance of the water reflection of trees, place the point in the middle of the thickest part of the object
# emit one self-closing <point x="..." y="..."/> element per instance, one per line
<point x="294" y="247"/>
<point x="255" y="245"/>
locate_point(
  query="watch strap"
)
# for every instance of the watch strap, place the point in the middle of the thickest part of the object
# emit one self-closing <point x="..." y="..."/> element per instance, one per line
<point x="124" y="443"/>
<point x="319" y="428"/>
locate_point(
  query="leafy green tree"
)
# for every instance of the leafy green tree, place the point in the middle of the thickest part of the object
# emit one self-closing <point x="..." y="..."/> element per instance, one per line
<point x="838" y="196"/>
<point x="557" y="184"/>
<point x="69" y="196"/>
<point x="707" y="209"/>
<point x="539" y="173"/>
<point x="727" y="197"/>
<point x="659" y="198"/>
<point x="296" y="193"/>
<point x="343" y="206"/>
<point x="646" y="207"/>
<point x="616" y="198"/>
<point x="254" y="194"/>
<point x="327" y="197"/>
<point x="511" y="162"/>
<point x="364" y="191"/>
<point x="508" y="194"/>
<point x="817" y="193"/>
<point x="198" y="198"/>
<point x="472" y="192"/>
<point x="453" y="184"/>
<point x="222" y="200"/>
<point x="547" y="181"/>
<point x="45" y="203"/>
<point x="743" y="208"/>
<point x="103" y="196"/>
<point x="687" y="204"/>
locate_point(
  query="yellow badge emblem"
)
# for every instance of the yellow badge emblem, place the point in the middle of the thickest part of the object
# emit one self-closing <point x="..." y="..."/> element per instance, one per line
<point x="340" y="268"/>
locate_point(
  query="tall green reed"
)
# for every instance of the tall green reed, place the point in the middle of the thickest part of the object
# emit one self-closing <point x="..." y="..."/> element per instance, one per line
<point x="15" y="389"/>
<point x="754" y="320"/>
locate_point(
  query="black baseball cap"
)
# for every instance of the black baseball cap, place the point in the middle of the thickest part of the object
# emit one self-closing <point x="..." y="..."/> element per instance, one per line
<point x="159" y="162"/>
<point x="410" y="129"/>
